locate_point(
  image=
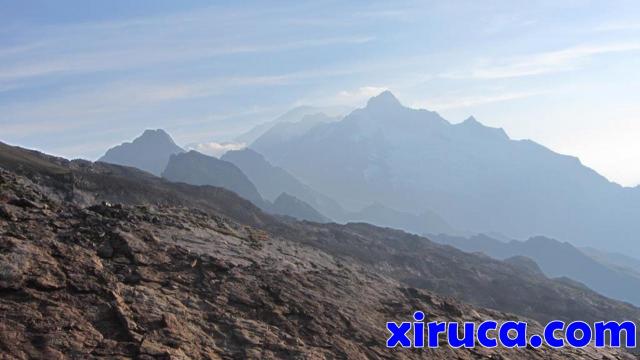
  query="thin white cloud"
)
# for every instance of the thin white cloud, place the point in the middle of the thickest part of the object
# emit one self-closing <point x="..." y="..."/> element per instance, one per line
<point x="145" y="42"/>
<point x="391" y="12"/>
<point x="137" y="56"/>
<point x="215" y="148"/>
<point x="541" y="63"/>
<point x="19" y="49"/>
<point x="82" y="106"/>
<point x="8" y="87"/>
<point x="356" y="97"/>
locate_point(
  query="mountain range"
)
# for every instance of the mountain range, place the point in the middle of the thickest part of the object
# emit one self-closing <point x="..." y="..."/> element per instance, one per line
<point x="250" y="175"/>
<point x="557" y="259"/>
<point x="424" y="223"/>
<point x="155" y="149"/>
<point x="198" y="169"/>
<point x="474" y="177"/>
<point x="381" y="164"/>
<point x="273" y="181"/>
<point x="292" y="117"/>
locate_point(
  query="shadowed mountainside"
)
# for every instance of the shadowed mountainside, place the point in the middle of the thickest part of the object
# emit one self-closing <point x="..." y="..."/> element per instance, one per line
<point x="380" y="215"/>
<point x="149" y="152"/>
<point x="289" y="205"/>
<point x="624" y="263"/>
<point x="556" y="259"/>
<point x="273" y="181"/>
<point x="195" y="168"/>
<point x="254" y="171"/>
<point x="198" y="169"/>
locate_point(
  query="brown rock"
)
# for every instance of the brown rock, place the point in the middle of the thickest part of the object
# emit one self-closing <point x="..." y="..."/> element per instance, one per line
<point x="105" y="250"/>
<point x="7" y="214"/>
<point x="24" y="203"/>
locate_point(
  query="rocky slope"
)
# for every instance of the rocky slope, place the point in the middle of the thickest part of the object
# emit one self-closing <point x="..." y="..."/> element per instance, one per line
<point x="472" y="278"/>
<point x="178" y="271"/>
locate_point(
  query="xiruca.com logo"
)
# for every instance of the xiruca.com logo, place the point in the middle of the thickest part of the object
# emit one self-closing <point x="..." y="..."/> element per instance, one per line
<point x="509" y="334"/>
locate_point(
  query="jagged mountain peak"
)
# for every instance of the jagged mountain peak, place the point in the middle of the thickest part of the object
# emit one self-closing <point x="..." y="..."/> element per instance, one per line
<point x="196" y="168"/>
<point x="150" y="151"/>
<point x="471" y="120"/>
<point x="155" y="136"/>
<point x="384" y="100"/>
<point x="476" y="127"/>
<point x="156" y="133"/>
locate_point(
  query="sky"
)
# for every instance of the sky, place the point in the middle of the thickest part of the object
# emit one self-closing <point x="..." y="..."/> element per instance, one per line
<point x="77" y="76"/>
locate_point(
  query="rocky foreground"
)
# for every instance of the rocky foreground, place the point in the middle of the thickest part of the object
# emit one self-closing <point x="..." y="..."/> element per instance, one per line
<point x="84" y="278"/>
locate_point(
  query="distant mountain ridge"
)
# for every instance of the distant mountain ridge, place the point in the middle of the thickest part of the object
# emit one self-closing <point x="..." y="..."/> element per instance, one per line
<point x="474" y="176"/>
<point x="556" y="259"/>
<point x="198" y="169"/>
<point x="285" y="130"/>
<point x="149" y="152"/>
<point x="273" y="181"/>
<point x="289" y="205"/>
<point x="292" y="116"/>
<point x="380" y="215"/>
<point x="618" y="261"/>
<point x="155" y="149"/>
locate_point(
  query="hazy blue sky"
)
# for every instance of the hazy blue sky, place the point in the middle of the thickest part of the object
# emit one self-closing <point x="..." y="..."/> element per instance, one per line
<point x="78" y="76"/>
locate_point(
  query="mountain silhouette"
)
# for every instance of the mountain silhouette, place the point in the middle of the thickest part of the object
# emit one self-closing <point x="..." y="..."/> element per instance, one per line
<point x="474" y="176"/>
<point x="273" y="181"/>
<point x="283" y="131"/>
<point x="556" y="259"/>
<point x="198" y="169"/>
<point x="380" y="215"/>
<point x="195" y="168"/>
<point x="289" y="205"/>
<point x="292" y="116"/>
<point x="149" y="152"/>
<point x="620" y="262"/>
